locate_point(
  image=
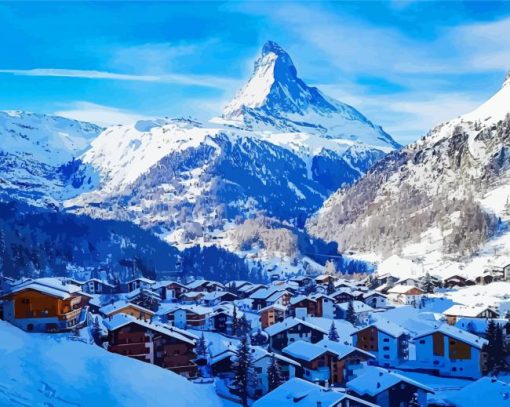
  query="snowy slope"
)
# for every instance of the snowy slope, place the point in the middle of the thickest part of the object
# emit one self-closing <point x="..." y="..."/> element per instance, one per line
<point x="439" y="204"/>
<point x="50" y="370"/>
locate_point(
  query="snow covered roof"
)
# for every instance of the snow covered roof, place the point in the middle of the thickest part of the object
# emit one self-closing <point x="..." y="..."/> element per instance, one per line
<point x="466" y="311"/>
<point x="290" y="323"/>
<point x="146" y="291"/>
<point x="276" y="307"/>
<point x="142" y="280"/>
<point x="97" y="280"/>
<point x="301" y="393"/>
<point x="52" y="286"/>
<point x="276" y="295"/>
<point x="485" y="391"/>
<point x="388" y="327"/>
<point x="265" y="293"/>
<point x="357" y="305"/>
<point x="121" y="304"/>
<point x="214" y="295"/>
<point x="456" y="333"/>
<point x="373" y="380"/>
<point x="119" y="320"/>
<point x="252" y="287"/>
<point x="304" y="350"/>
<point x="166" y="283"/>
<point x="299" y="298"/>
<point x="341" y="349"/>
<point x="478" y="325"/>
<point x="192" y="294"/>
<point x="403" y="289"/>
<point x="371" y="293"/>
<point x="199" y="283"/>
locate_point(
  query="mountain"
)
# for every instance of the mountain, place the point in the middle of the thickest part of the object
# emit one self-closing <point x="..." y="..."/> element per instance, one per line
<point x="442" y="202"/>
<point x="36" y="153"/>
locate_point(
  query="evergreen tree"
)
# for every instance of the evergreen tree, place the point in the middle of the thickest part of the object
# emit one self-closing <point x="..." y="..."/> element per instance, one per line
<point x="331" y="287"/>
<point x="234" y="321"/>
<point x="201" y="347"/>
<point x="274" y="374"/>
<point x="350" y="314"/>
<point x="243" y="326"/>
<point x="414" y="401"/>
<point x="428" y="284"/>
<point x="244" y="372"/>
<point x="491" y="346"/>
<point x="333" y="333"/>
<point x="95" y="331"/>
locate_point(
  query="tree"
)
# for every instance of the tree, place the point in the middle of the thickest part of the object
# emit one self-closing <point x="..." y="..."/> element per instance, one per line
<point x="201" y="347"/>
<point x="495" y="348"/>
<point x="274" y="374"/>
<point x="234" y="321"/>
<point x="244" y="373"/>
<point x="95" y="331"/>
<point x="243" y="326"/>
<point x="350" y="314"/>
<point x="333" y="333"/>
<point x="428" y="284"/>
<point x="331" y="287"/>
<point x="414" y="401"/>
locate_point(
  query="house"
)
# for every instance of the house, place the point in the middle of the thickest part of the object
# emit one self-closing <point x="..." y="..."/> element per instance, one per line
<point x="155" y="344"/>
<point x="191" y="297"/>
<point x="97" y="286"/>
<point x="302" y="281"/>
<point x="384" y="339"/>
<point x="291" y="330"/>
<point x="247" y="290"/>
<point x="144" y="297"/>
<point x="458" y="311"/>
<point x="375" y="299"/>
<point x="450" y="351"/>
<point x="136" y="283"/>
<point x="485" y="391"/>
<point x="300" y="393"/>
<point x="215" y="297"/>
<point x="127" y="308"/>
<point x="268" y="296"/>
<point x="457" y="281"/>
<point x="385" y="279"/>
<point x="478" y="326"/>
<point x="408" y="281"/>
<point x="223" y="318"/>
<point x="191" y="316"/>
<point x="169" y="290"/>
<point x="45" y="305"/>
<point x="325" y="305"/>
<point x="361" y="310"/>
<point x="387" y="389"/>
<point x="326" y="362"/>
<point x="343" y="294"/>
<point x="303" y="306"/>
<point x="325" y="279"/>
<point x="205" y="286"/>
<point x="271" y="315"/>
<point x="406" y="294"/>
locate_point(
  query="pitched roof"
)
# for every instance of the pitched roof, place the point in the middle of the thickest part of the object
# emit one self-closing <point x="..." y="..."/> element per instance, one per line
<point x="304" y="350"/>
<point x="357" y="305"/>
<point x="340" y="349"/>
<point x="120" y="320"/>
<point x="290" y="323"/>
<point x="166" y="283"/>
<point x="388" y="327"/>
<point x="121" y="304"/>
<point x="301" y="393"/>
<point x="265" y="293"/>
<point x="486" y="391"/>
<point x="466" y="311"/>
<point x="373" y="380"/>
<point x="456" y="333"/>
<point x="277" y="307"/>
<point x="403" y="289"/>
<point x="53" y="286"/>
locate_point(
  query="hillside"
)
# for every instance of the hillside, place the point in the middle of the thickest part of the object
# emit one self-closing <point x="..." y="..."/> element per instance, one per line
<point x="42" y="370"/>
<point x="439" y="202"/>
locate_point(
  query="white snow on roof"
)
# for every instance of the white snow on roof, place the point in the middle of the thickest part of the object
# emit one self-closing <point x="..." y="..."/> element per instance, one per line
<point x="375" y="380"/>
<point x="456" y="333"/>
<point x="465" y="310"/>
<point x="290" y="323"/>
<point x="54" y="287"/>
<point x="388" y="327"/>
<point x="340" y="349"/>
<point x="486" y="391"/>
<point x="357" y="305"/>
<point x="304" y="350"/>
<point x="403" y="289"/>
<point x="121" y="304"/>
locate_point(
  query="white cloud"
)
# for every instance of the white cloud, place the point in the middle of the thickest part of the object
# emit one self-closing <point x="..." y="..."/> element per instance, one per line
<point x="102" y="115"/>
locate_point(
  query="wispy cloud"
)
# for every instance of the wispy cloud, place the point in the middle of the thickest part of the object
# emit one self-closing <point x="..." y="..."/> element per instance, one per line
<point x="180" y="79"/>
<point x="100" y="114"/>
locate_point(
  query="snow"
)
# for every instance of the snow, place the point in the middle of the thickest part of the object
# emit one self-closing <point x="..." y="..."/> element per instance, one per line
<point x="304" y="350"/>
<point x="289" y="323"/>
<point x="48" y="285"/>
<point x="485" y="391"/>
<point x="43" y="370"/>
<point x="459" y="334"/>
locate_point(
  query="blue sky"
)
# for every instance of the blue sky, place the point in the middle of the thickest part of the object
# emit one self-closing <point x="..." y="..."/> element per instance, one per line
<point x="407" y="65"/>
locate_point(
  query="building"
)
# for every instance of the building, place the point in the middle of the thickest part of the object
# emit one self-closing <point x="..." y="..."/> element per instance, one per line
<point x="291" y="330"/>
<point x="136" y="283"/>
<point x="272" y="314"/>
<point x="215" y="297"/>
<point x="302" y="281"/>
<point x="325" y="279"/>
<point x="205" y="286"/>
<point x="406" y="294"/>
<point x="326" y="362"/>
<point x="457" y="281"/>
<point x="169" y="290"/>
<point x="144" y="297"/>
<point x="361" y="310"/>
<point x="191" y="316"/>
<point x="223" y="318"/>
<point x="155" y="344"/>
<point x="300" y="393"/>
<point x="387" y="389"/>
<point x="375" y="299"/>
<point x="124" y="307"/>
<point x="455" y="312"/>
<point x="45" y="305"/>
<point x="191" y="297"/>
<point x="450" y="351"/>
<point x="478" y="326"/>
<point x="268" y="296"/>
<point x="387" y="341"/>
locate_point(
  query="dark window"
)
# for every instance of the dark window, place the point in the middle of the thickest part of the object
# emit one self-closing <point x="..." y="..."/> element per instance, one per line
<point x="422" y="341"/>
<point x="386" y="348"/>
<point x="386" y="340"/>
<point x="30" y="327"/>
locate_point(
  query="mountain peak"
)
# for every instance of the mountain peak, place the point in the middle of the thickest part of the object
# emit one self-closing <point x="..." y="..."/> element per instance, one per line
<point x="272" y="47"/>
<point x="506" y="82"/>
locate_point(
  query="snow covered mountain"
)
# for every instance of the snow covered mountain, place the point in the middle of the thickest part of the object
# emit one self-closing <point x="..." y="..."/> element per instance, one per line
<point x="440" y="204"/>
<point x="280" y="147"/>
<point x="36" y="151"/>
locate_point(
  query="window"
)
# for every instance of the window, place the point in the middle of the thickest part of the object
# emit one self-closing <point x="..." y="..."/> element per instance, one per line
<point x="386" y="339"/>
<point x="386" y="348"/>
<point x="30" y="327"/>
<point x="386" y="356"/>
<point x="25" y="300"/>
<point x="422" y="341"/>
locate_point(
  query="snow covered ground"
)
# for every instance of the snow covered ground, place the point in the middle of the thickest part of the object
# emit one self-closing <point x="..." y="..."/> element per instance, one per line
<point x="51" y="370"/>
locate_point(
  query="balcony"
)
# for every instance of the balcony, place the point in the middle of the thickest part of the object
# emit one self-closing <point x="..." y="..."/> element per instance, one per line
<point x="321" y="374"/>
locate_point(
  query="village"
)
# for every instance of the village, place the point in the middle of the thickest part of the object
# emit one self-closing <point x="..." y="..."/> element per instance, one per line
<point x="307" y="340"/>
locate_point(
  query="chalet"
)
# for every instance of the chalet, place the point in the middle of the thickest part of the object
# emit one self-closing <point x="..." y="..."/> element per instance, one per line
<point x="458" y="311"/>
<point x="155" y="344"/>
<point x="385" y="279"/>
<point x="97" y="286"/>
<point x="272" y="314"/>
<point x="300" y="393"/>
<point x="137" y="283"/>
<point x="127" y="308"/>
<point x="325" y="305"/>
<point x="375" y="299"/>
<point x="169" y="290"/>
<point x="215" y="297"/>
<point x="387" y="388"/>
<point x="248" y="290"/>
<point x="223" y="318"/>
<point x="478" y="326"/>
<point x="387" y="341"/>
<point x="45" y="305"/>
<point x="408" y="281"/>
<point x="302" y="281"/>
<point x="191" y="317"/>
<point x="268" y="296"/>
<point x="457" y="281"/>
<point x="450" y="351"/>
<point x="406" y="294"/>
<point x="191" y="297"/>
<point x="361" y="310"/>
<point x="326" y="362"/>
<point x="205" y="286"/>
<point x="343" y="294"/>
<point x="325" y="279"/>
<point x="291" y="330"/>
<point x="317" y="305"/>
<point x="144" y="297"/>
<point x="485" y="391"/>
